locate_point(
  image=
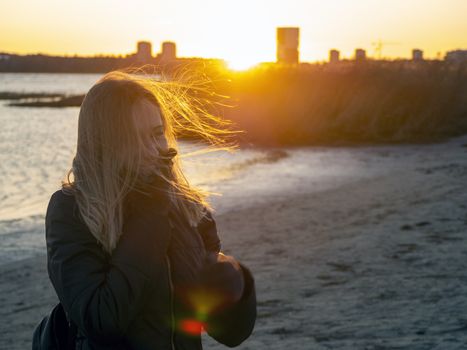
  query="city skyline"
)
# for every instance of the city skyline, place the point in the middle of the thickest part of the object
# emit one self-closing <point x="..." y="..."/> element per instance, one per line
<point x="243" y="34"/>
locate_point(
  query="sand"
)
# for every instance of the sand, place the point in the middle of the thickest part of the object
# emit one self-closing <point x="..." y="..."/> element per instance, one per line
<point x="375" y="263"/>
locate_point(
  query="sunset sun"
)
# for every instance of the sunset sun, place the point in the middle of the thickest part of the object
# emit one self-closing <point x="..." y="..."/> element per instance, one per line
<point x="238" y="35"/>
<point x="242" y="63"/>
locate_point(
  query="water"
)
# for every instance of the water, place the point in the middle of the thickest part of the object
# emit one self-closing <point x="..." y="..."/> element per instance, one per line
<point x="36" y="149"/>
<point x="47" y="82"/>
<point x="37" y="146"/>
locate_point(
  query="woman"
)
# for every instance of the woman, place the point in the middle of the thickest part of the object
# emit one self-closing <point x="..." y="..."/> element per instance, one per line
<point x="132" y="248"/>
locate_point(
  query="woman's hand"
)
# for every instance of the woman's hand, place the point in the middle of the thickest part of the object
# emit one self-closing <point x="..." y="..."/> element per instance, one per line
<point x="223" y="277"/>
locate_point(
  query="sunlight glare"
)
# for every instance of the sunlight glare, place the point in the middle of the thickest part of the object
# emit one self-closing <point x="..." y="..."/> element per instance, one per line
<point x="241" y="63"/>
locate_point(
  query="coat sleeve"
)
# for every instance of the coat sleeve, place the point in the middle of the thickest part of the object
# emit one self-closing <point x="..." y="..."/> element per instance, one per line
<point x="234" y="323"/>
<point x="102" y="297"/>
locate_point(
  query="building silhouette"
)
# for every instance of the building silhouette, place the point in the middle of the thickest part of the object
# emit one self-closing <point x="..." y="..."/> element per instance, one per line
<point x="334" y="56"/>
<point x="360" y="55"/>
<point x="417" y="55"/>
<point x="143" y="52"/>
<point x="287" y="45"/>
<point x="168" y="52"/>
<point x="456" y="56"/>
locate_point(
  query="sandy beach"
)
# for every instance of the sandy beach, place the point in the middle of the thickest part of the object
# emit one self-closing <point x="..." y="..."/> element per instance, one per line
<point x="378" y="262"/>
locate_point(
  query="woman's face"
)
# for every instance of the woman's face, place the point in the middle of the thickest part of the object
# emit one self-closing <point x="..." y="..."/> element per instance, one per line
<point x="151" y="128"/>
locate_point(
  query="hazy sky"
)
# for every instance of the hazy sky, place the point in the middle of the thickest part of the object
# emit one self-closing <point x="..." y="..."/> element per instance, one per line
<point x="240" y="31"/>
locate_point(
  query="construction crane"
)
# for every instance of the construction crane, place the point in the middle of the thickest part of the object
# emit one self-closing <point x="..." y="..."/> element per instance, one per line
<point x="378" y="47"/>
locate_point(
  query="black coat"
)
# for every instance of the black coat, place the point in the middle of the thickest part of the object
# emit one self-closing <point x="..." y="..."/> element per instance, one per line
<point x="134" y="298"/>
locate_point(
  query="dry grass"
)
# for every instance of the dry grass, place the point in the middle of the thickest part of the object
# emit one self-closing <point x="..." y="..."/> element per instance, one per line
<point x="376" y="102"/>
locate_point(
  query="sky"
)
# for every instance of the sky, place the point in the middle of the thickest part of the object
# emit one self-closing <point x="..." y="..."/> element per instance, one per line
<point x="242" y="32"/>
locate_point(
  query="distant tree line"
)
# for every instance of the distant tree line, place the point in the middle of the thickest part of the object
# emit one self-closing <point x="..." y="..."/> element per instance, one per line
<point x="94" y="64"/>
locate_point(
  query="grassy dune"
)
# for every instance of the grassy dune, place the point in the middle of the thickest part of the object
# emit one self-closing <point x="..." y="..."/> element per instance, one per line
<point x="368" y="103"/>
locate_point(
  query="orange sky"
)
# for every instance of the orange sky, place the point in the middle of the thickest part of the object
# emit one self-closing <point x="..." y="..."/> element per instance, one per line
<point x="241" y="31"/>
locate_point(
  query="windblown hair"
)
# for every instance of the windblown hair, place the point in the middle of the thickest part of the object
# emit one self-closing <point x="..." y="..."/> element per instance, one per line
<point x="110" y="150"/>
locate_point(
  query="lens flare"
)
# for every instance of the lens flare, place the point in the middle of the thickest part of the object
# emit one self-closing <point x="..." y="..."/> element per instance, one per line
<point x="192" y="327"/>
<point x="203" y="302"/>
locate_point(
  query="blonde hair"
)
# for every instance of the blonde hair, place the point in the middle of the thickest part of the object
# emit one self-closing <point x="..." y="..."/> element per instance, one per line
<point x="110" y="150"/>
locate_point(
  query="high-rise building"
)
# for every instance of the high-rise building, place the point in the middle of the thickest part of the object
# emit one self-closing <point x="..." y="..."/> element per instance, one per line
<point x="287" y="45"/>
<point x="456" y="56"/>
<point x="360" y="55"/>
<point x="169" y="51"/>
<point x="144" y="51"/>
<point x="417" y="55"/>
<point x="334" y="56"/>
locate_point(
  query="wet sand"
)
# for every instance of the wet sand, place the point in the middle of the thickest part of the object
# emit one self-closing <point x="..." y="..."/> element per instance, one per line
<point x="375" y="263"/>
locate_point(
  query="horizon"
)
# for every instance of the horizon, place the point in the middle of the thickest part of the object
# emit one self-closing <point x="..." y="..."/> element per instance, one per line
<point x="242" y="34"/>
